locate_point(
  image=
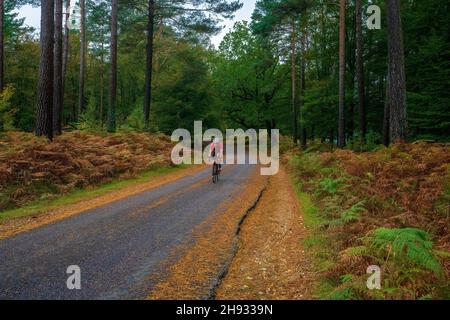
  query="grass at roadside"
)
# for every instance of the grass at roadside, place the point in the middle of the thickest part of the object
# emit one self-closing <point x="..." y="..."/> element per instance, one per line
<point x="78" y="195"/>
<point x="316" y="242"/>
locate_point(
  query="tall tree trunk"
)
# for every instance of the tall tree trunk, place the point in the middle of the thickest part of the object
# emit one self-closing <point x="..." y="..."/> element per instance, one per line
<point x="113" y="76"/>
<point x="386" y="117"/>
<point x="2" y="54"/>
<point x="65" y="45"/>
<point x="294" y="84"/>
<point x="58" y="56"/>
<point x="158" y="61"/>
<point x="102" y="81"/>
<point x="350" y="121"/>
<point x="2" y="44"/>
<point x="396" y="75"/>
<point x="303" y="85"/>
<point x="149" y="67"/>
<point x="351" y="82"/>
<point x="81" y="96"/>
<point x="44" y="115"/>
<point x="341" y="129"/>
<point x="360" y="71"/>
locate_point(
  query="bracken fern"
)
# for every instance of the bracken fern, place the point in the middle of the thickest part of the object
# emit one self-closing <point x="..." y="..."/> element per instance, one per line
<point x="352" y="214"/>
<point x="331" y="186"/>
<point x="406" y="246"/>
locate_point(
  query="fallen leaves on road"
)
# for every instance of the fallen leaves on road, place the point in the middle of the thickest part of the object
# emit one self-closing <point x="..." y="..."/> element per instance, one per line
<point x="271" y="262"/>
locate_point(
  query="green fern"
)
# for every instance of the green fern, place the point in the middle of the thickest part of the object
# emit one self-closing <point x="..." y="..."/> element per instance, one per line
<point x="331" y="186"/>
<point x="442" y="254"/>
<point x="347" y="293"/>
<point x="408" y="245"/>
<point x="352" y="214"/>
<point x="354" y="252"/>
<point x="346" y="278"/>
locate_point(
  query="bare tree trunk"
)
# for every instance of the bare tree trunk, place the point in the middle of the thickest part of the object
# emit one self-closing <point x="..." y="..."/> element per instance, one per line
<point x="158" y="61"/>
<point x="149" y="67"/>
<point x="82" y="57"/>
<point x="396" y="75"/>
<point x="360" y="72"/>
<point x="294" y="85"/>
<point x="2" y="54"/>
<point x="386" y="117"/>
<point x="113" y="76"/>
<point x="44" y="115"/>
<point x="351" y="122"/>
<point x="102" y="82"/>
<point x="341" y="129"/>
<point x="350" y="119"/>
<point x="2" y="44"/>
<point x="65" y="45"/>
<point x="303" y="85"/>
<point x="58" y="56"/>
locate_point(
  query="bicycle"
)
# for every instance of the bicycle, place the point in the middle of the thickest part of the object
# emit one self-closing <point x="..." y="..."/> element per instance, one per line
<point x="215" y="172"/>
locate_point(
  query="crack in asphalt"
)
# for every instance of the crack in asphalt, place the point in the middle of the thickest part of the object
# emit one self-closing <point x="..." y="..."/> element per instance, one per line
<point x="223" y="273"/>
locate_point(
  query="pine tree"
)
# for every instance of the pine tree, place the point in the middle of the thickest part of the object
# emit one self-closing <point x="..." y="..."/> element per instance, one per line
<point x="360" y="70"/>
<point x="113" y="75"/>
<point x="58" y="61"/>
<point x="396" y="76"/>
<point x="83" y="44"/>
<point x="341" y="132"/>
<point x="149" y="62"/>
<point x="44" y="117"/>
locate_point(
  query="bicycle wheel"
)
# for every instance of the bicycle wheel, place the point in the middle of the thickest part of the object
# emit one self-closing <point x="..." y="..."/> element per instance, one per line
<point x="214" y="173"/>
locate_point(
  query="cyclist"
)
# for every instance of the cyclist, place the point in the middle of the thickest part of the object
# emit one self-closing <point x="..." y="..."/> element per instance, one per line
<point x="216" y="152"/>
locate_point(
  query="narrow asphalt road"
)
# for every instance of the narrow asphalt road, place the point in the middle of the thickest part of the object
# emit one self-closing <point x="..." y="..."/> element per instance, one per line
<point x="118" y="246"/>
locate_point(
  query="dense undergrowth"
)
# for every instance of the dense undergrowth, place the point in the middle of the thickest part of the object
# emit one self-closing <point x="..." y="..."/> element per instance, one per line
<point x="33" y="169"/>
<point x="389" y="207"/>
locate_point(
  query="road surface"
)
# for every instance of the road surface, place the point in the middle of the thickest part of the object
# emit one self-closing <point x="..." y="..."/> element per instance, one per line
<point x="118" y="246"/>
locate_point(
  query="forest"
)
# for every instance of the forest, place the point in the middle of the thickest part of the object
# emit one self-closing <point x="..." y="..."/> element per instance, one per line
<point x="311" y="68"/>
<point x="92" y="96"/>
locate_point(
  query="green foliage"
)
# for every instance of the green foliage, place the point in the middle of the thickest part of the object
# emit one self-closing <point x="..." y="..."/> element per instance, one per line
<point x="184" y="94"/>
<point x="135" y="121"/>
<point x="443" y="204"/>
<point x="352" y="214"/>
<point x="250" y="82"/>
<point x="344" y="294"/>
<point x="347" y="278"/>
<point x="408" y="246"/>
<point x="89" y="120"/>
<point x="345" y="187"/>
<point x="7" y="112"/>
<point x="371" y="143"/>
<point x="426" y="40"/>
<point x="331" y="186"/>
<point x="308" y="164"/>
